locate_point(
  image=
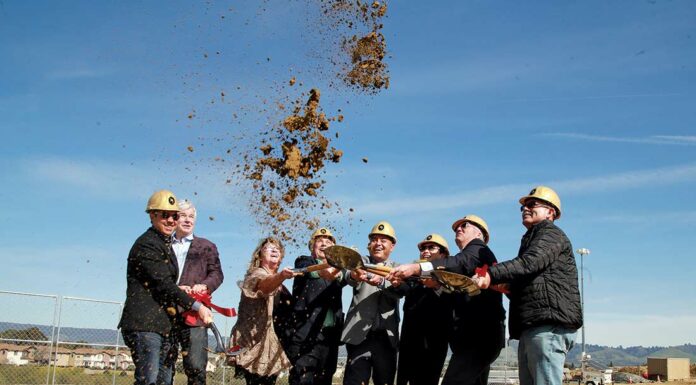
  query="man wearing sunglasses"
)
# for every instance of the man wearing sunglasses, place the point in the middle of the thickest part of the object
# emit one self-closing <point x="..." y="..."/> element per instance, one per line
<point x="478" y="332"/>
<point x="152" y="295"/>
<point x="199" y="273"/>
<point x="545" y="309"/>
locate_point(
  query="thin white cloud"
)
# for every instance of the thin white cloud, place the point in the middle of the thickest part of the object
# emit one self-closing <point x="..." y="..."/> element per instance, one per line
<point x="683" y="138"/>
<point x="591" y="97"/>
<point x="100" y="178"/>
<point x="119" y="181"/>
<point x="652" y="217"/>
<point x="680" y="140"/>
<point x="506" y="193"/>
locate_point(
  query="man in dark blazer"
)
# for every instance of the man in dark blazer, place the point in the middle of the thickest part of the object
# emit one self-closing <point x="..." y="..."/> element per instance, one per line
<point x="478" y="332"/>
<point x="317" y="317"/>
<point x="201" y="274"/>
<point x="152" y="296"/>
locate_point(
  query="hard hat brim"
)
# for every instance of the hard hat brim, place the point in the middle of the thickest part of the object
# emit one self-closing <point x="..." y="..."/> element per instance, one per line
<point x="486" y="236"/>
<point x="421" y="243"/>
<point x="385" y="235"/>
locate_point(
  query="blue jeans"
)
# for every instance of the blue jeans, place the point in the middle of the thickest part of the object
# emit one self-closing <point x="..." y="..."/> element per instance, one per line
<point x="153" y="357"/>
<point x="542" y="353"/>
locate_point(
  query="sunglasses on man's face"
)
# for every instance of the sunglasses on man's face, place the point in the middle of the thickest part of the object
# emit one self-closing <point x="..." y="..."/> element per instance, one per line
<point x="433" y="248"/>
<point x="532" y="205"/>
<point x="168" y="214"/>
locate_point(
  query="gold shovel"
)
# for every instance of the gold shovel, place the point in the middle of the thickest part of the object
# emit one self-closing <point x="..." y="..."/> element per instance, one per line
<point x="456" y="282"/>
<point x="344" y="257"/>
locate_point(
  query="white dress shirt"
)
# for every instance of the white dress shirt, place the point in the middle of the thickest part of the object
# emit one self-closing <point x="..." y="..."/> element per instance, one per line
<point x="181" y="248"/>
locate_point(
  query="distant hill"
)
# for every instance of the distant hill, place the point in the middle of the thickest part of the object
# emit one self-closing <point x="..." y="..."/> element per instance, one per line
<point x="92" y="336"/>
<point x="632" y="355"/>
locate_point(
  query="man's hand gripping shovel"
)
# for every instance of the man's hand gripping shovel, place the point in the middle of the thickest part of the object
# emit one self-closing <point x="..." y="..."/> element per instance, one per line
<point x="462" y="283"/>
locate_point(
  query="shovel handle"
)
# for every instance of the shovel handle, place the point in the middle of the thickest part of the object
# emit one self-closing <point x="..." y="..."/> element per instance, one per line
<point x="220" y="345"/>
<point x="374" y="267"/>
<point x="381" y="273"/>
<point x="309" y="269"/>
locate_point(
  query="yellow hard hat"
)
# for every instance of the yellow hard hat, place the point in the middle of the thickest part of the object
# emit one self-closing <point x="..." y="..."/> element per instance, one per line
<point x="547" y="195"/>
<point x="162" y="200"/>
<point x="320" y="232"/>
<point x="476" y="221"/>
<point x="383" y="228"/>
<point x="436" y="239"/>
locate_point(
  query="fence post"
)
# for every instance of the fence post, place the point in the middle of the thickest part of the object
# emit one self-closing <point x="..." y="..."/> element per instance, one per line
<point x="116" y="360"/>
<point x="56" y="314"/>
<point x="57" y="341"/>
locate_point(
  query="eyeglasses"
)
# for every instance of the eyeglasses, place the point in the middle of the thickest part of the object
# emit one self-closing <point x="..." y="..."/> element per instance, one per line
<point x="168" y="214"/>
<point x="461" y="226"/>
<point x="431" y="248"/>
<point x="532" y="205"/>
<point x="190" y="216"/>
<point x="271" y="249"/>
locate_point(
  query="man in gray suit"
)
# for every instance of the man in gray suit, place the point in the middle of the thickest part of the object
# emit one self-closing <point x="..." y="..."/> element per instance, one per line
<point x="371" y="330"/>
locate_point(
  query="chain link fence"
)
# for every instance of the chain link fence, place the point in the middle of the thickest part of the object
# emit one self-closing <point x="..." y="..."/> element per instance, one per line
<point x="51" y="340"/>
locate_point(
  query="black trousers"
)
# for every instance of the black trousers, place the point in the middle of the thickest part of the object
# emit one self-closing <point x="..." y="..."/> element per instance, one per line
<point x="473" y="351"/>
<point x="375" y="357"/>
<point x="194" y="341"/>
<point x="421" y="360"/>
<point x="314" y="367"/>
<point x="253" y="378"/>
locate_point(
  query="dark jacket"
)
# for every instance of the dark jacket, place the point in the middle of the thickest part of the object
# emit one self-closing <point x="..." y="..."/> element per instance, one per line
<point x="312" y="299"/>
<point x="473" y="315"/>
<point x="543" y="281"/>
<point x="202" y="265"/>
<point x="152" y="293"/>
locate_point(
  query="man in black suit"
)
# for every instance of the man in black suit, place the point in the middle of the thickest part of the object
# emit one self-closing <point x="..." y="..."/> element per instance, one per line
<point x="200" y="273"/>
<point x="317" y="317"/>
<point x="152" y="295"/>
<point x="479" y="321"/>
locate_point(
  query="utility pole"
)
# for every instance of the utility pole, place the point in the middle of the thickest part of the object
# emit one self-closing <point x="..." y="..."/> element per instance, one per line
<point x="583" y="357"/>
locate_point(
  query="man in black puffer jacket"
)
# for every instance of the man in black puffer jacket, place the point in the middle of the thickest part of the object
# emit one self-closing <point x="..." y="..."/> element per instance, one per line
<point x="545" y="310"/>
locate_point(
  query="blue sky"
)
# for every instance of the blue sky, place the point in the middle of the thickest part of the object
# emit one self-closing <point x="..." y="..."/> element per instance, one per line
<point x="487" y="99"/>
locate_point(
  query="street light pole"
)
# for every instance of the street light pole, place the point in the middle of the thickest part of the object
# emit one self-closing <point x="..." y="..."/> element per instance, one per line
<point x="583" y="358"/>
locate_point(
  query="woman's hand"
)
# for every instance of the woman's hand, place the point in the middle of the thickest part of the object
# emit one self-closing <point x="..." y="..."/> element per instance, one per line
<point x="286" y="273"/>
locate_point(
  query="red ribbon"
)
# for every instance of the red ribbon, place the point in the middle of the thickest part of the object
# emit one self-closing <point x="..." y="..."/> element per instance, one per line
<point x="482" y="271"/>
<point x="191" y="317"/>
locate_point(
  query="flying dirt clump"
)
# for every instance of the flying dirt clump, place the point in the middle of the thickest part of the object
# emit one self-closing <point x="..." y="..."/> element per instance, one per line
<point x="360" y="24"/>
<point x="369" y="71"/>
<point x="287" y="178"/>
